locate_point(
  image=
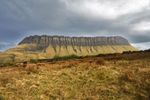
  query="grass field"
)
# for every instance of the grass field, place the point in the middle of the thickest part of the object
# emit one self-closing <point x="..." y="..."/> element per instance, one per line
<point x="104" y="77"/>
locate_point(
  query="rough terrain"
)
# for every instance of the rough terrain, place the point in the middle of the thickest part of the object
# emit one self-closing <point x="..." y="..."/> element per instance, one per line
<point x="104" y="77"/>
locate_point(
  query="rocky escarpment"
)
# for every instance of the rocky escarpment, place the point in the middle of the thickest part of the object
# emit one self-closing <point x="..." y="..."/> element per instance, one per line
<point x="46" y="47"/>
<point x="44" y="41"/>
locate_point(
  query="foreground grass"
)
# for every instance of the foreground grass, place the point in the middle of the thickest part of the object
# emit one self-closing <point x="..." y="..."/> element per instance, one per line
<point x="80" y="79"/>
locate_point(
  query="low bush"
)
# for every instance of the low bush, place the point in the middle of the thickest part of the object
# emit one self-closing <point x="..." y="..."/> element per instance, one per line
<point x="7" y="64"/>
<point x="34" y="60"/>
<point x="1" y="97"/>
<point x="65" y="57"/>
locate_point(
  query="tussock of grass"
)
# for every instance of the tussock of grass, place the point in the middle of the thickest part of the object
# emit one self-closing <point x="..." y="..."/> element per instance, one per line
<point x="1" y="97"/>
<point x="32" y="68"/>
<point x="100" y="62"/>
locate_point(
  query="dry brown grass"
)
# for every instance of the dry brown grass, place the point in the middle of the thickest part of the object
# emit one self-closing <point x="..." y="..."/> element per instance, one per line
<point x="90" y="78"/>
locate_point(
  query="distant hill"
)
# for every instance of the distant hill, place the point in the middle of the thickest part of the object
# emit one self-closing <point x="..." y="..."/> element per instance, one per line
<point x="48" y="47"/>
<point x="147" y="50"/>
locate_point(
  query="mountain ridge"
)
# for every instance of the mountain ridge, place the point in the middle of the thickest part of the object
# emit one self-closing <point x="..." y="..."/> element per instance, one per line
<point x="58" y="39"/>
<point x="44" y="41"/>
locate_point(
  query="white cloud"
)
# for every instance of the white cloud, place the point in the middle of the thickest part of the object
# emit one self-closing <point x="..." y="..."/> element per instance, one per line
<point x="5" y="45"/>
<point x="64" y="17"/>
<point x="142" y="26"/>
<point x="108" y="9"/>
<point x="142" y="46"/>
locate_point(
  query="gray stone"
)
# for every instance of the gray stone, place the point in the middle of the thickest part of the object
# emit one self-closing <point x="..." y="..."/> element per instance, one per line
<point x="44" y="41"/>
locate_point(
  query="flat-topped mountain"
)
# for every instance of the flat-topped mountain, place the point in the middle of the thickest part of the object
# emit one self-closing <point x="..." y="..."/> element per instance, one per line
<point x="77" y="41"/>
<point x="45" y="47"/>
<point x="44" y="41"/>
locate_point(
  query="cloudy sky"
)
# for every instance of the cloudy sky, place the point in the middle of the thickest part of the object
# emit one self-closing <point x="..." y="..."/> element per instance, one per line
<point x="128" y="18"/>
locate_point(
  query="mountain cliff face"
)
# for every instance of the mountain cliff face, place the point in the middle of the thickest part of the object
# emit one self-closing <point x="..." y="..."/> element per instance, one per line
<point x="44" y="47"/>
<point x="44" y="41"/>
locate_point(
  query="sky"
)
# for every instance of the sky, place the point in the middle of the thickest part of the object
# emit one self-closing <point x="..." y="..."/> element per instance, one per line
<point x="127" y="18"/>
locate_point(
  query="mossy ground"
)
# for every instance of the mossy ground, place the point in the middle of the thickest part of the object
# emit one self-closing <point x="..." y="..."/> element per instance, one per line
<point x="91" y="78"/>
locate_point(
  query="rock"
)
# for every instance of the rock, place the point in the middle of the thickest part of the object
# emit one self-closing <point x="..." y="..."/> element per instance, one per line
<point x="44" y="41"/>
